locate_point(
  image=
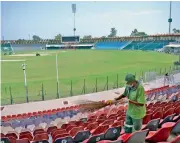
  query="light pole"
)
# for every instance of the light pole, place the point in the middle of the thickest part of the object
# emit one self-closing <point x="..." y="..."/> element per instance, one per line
<point x="74" y="12"/>
<point x="170" y="19"/>
<point x="25" y="81"/>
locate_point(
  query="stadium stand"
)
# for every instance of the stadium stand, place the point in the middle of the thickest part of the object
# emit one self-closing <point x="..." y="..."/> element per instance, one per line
<point x="71" y="125"/>
<point x="147" y="45"/>
<point x="6" y="49"/>
<point x="110" y="45"/>
<point x="150" y="42"/>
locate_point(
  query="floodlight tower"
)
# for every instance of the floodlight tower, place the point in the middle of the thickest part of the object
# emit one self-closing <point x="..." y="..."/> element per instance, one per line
<point x="170" y="19"/>
<point x="74" y="12"/>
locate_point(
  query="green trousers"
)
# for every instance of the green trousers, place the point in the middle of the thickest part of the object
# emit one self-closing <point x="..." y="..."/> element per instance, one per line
<point x="132" y="124"/>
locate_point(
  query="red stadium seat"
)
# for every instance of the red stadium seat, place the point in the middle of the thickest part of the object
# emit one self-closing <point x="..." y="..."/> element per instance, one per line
<point x="91" y="120"/>
<point x="177" y="110"/>
<point x="147" y="118"/>
<point x="61" y="136"/>
<point x="38" y="131"/>
<point x="136" y="137"/>
<point x="58" y="132"/>
<point x="121" y="118"/>
<point x="108" y="122"/>
<point x="41" y="137"/>
<point x="160" y="135"/>
<point x="158" y="114"/>
<point x="14" y="135"/>
<point x="117" y="124"/>
<point x="2" y="135"/>
<point x="75" y="130"/>
<point x="23" y="141"/>
<point x="168" y="107"/>
<point x="92" y="126"/>
<point x="49" y="129"/>
<point x="70" y="127"/>
<point x="79" y="123"/>
<point x="64" y="126"/>
<point x="112" y="117"/>
<point x="175" y="140"/>
<point x="99" y="130"/>
<point x="26" y="136"/>
<point x="168" y="112"/>
<point x="100" y="121"/>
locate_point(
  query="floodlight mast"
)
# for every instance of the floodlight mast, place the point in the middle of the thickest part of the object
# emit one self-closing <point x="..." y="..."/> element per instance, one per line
<point x="25" y="81"/>
<point x="74" y="12"/>
<point x="170" y="19"/>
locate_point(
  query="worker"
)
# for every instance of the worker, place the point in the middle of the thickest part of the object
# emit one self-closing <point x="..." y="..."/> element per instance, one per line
<point x="134" y="91"/>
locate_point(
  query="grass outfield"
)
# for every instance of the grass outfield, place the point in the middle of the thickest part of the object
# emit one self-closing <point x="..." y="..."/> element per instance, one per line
<point x="76" y="66"/>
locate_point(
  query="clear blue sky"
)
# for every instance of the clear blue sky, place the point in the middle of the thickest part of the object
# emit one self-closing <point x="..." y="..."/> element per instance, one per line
<point x="47" y="19"/>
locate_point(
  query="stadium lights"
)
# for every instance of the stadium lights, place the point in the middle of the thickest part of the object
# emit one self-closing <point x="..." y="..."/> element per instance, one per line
<point x="74" y="12"/>
<point x="170" y="19"/>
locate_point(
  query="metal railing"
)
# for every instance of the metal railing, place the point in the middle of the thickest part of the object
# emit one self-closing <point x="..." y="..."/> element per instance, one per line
<point x="68" y="88"/>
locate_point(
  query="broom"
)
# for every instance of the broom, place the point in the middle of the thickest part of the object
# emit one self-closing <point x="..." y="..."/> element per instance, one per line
<point x="95" y="105"/>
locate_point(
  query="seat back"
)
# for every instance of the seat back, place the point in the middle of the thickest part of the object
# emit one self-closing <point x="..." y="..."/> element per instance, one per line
<point x="117" y="124"/>
<point x="49" y="129"/>
<point x="64" y="140"/>
<point x="100" y="121"/>
<point x="75" y="130"/>
<point x="161" y="135"/>
<point x="153" y="125"/>
<point x="168" y="112"/>
<point x="81" y="136"/>
<point x="169" y="118"/>
<point x="112" y="133"/>
<point x="64" y="126"/>
<point x="22" y="141"/>
<point x="137" y="137"/>
<point x="177" y="110"/>
<point x="26" y="136"/>
<point x="11" y="135"/>
<point x="147" y="118"/>
<point x="70" y="127"/>
<point x="176" y="128"/>
<point x="41" y="137"/>
<point x="57" y="136"/>
<point x="38" y="131"/>
<point x="108" y="122"/>
<point x="158" y="114"/>
<point x="100" y="129"/>
<point x="92" y="126"/>
<point x="96" y="138"/>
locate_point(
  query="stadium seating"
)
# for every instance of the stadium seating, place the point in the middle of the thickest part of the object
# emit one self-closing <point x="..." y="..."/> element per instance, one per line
<point x="147" y="45"/>
<point x="105" y="125"/>
<point x="110" y="45"/>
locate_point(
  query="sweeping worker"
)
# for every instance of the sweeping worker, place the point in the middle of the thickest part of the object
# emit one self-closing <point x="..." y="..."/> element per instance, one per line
<point x="134" y="91"/>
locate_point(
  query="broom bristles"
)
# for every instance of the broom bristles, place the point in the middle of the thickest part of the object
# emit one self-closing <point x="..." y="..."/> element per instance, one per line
<point x="94" y="105"/>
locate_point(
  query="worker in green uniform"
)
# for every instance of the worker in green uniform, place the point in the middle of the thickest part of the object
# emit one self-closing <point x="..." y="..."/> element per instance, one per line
<point x="134" y="91"/>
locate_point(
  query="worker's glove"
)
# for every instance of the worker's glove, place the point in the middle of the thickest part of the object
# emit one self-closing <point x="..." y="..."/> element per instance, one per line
<point x="109" y="102"/>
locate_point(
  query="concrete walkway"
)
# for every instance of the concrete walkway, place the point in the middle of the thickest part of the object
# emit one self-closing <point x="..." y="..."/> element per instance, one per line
<point x="58" y="103"/>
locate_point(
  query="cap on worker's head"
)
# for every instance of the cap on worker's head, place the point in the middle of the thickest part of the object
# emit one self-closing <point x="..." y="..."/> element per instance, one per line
<point x="130" y="78"/>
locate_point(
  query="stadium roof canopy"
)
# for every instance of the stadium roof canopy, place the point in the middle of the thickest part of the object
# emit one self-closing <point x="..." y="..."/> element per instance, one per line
<point x="172" y="46"/>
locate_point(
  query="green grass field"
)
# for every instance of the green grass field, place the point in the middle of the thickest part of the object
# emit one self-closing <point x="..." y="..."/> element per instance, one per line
<point x="74" y="66"/>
